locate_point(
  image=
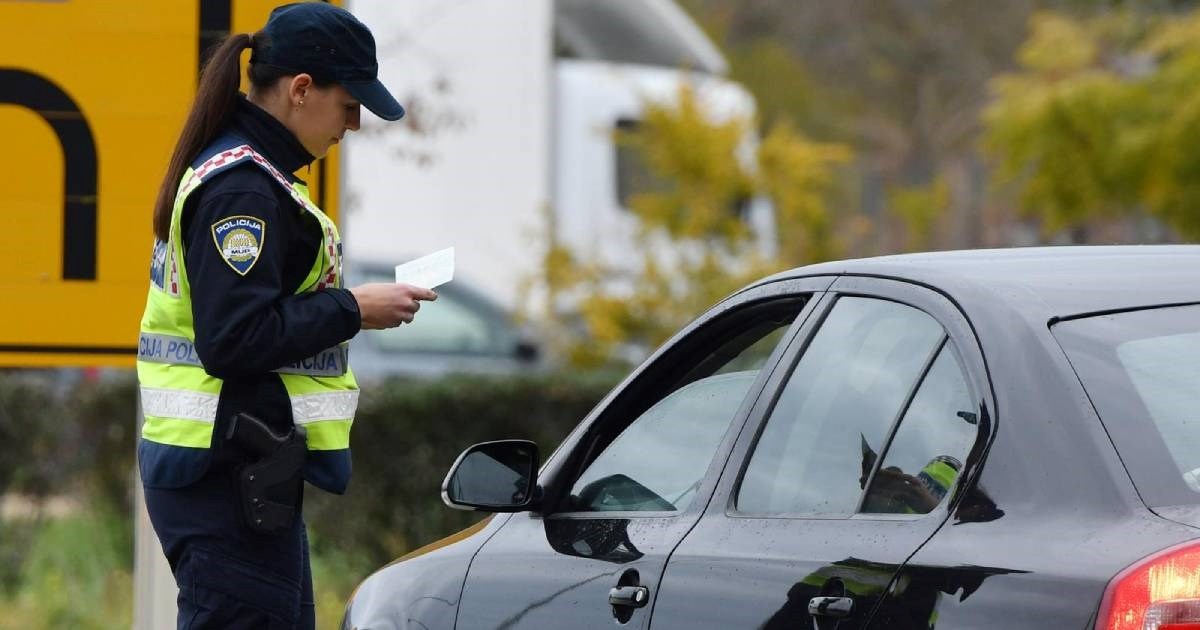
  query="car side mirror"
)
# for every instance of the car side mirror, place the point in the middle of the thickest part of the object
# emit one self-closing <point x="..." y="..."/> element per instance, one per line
<point x="493" y="477"/>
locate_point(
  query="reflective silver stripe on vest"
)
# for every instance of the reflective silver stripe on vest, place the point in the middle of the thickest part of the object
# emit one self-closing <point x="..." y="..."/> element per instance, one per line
<point x="175" y="350"/>
<point x="186" y="405"/>
<point x="326" y="406"/>
<point x="329" y="362"/>
<point x="176" y="403"/>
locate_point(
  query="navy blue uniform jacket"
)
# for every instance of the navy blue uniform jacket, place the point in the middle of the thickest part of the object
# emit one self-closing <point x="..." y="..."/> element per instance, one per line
<point x="248" y="325"/>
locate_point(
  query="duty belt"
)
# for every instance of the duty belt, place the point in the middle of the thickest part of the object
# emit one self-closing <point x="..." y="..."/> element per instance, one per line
<point x="175" y="350"/>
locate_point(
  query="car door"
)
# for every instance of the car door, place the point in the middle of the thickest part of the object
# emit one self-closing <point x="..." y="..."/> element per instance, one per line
<point x="845" y="468"/>
<point x="629" y="483"/>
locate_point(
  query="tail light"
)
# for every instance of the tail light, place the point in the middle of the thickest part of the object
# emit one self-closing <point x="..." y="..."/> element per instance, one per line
<point x="1159" y="592"/>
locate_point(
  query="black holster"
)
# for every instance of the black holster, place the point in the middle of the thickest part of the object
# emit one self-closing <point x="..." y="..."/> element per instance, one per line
<point x="269" y="486"/>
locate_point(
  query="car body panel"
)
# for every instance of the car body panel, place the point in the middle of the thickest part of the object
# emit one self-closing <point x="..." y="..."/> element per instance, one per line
<point x="1040" y="282"/>
<point x="420" y="590"/>
<point x="1034" y="571"/>
<point x="538" y="572"/>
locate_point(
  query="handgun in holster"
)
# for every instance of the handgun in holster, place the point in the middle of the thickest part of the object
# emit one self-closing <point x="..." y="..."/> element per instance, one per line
<point x="269" y="487"/>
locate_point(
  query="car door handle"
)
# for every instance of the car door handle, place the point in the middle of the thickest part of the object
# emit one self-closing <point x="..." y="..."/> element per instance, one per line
<point x="633" y="596"/>
<point x="830" y="606"/>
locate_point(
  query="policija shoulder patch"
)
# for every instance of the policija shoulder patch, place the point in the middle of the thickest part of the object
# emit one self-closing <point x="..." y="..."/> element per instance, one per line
<point x="239" y="239"/>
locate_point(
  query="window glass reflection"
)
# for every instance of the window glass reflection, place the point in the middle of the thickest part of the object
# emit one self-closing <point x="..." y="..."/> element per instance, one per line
<point x="657" y="463"/>
<point x="837" y="407"/>
<point x="926" y="454"/>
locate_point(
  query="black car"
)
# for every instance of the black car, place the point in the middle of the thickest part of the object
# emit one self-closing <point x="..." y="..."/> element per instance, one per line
<point x="982" y="439"/>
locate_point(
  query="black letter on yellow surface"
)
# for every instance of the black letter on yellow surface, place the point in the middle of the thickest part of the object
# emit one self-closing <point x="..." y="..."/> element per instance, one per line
<point x="80" y="165"/>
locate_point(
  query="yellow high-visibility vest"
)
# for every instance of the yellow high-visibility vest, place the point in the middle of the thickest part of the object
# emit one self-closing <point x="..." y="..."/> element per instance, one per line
<point x="179" y="399"/>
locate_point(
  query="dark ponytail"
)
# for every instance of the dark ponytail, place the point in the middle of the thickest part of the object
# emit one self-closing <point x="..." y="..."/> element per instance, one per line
<point x="216" y="100"/>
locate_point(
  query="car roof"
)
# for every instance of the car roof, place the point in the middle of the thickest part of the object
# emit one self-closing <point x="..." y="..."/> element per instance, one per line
<point x="1050" y="281"/>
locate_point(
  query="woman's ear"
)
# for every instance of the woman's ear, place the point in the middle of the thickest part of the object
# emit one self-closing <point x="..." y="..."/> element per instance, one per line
<point x="298" y="88"/>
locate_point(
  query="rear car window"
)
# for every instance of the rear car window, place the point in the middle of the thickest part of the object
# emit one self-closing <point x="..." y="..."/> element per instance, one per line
<point x="836" y="409"/>
<point x="1141" y="370"/>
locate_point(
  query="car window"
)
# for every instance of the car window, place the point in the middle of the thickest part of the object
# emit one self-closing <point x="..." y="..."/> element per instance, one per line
<point x="1141" y="370"/>
<point x="837" y="406"/>
<point x="1166" y="372"/>
<point x="926" y="454"/>
<point x="658" y="461"/>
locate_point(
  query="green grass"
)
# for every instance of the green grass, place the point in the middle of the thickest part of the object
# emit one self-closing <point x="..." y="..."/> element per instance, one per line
<point x="73" y="572"/>
<point x="77" y="572"/>
<point x="335" y="574"/>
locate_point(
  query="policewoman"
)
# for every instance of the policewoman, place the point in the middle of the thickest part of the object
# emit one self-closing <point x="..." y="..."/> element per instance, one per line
<point x="242" y="361"/>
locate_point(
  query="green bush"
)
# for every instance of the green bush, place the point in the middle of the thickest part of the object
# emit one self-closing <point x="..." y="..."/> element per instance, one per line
<point x="77" y="439"/>
<point x="104" y="426"/>
<point x="81" y="442"/>
<point x="32" y="424"/>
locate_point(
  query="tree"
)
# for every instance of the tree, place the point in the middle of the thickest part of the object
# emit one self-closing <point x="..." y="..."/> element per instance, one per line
<point x="1103" y="120"/>
<point x="694" y="244"/>
<point x="902" y="82"/>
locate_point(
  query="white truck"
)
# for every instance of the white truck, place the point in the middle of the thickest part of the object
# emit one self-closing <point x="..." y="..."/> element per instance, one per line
<point x="513" y="108"/>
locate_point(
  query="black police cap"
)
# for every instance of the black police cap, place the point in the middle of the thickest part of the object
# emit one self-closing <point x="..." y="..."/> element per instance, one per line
<point x="330" y="44"/>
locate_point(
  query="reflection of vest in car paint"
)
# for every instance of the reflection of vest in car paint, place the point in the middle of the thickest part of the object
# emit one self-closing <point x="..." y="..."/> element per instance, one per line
<point x="864" y="579"/>
<point x="938" y="475"/>
<point x="179" y="399"/>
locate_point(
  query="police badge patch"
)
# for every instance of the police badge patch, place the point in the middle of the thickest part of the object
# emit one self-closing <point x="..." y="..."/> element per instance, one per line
<point x="239" y="239"/>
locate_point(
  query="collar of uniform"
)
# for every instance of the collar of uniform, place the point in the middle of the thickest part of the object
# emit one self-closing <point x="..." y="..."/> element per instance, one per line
<point x="270" y="137"/>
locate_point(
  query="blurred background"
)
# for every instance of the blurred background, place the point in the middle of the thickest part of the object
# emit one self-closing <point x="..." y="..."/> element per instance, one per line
<point x="605" y="170"/>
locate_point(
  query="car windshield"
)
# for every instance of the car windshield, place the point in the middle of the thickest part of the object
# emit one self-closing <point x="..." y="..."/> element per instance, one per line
<point x="1142" y="371"/>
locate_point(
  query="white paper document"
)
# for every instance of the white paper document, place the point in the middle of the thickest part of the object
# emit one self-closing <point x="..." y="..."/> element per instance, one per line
<point x="428" y="271"/>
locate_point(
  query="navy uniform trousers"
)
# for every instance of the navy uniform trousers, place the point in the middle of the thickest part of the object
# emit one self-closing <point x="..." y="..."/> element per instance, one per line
<point x="229" y="576"/>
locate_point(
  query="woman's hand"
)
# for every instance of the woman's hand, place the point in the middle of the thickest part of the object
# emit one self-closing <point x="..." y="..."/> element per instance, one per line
<point x="386" y="305"/>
